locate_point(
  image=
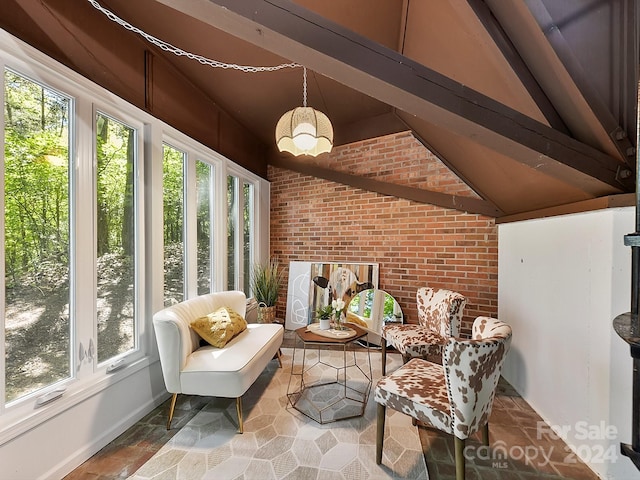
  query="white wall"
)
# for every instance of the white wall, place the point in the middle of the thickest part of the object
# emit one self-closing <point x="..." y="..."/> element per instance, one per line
<point x="52" y="449"/>
<point x="562" y="281"/>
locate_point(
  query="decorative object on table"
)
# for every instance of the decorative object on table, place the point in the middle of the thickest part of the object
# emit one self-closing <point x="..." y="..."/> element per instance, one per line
<point x="345" y="332"/>
<point x="338" y="309"/>
<point x="324" y="316"/>
<point x="266" y="280"/>
<point x="261" y="310"/>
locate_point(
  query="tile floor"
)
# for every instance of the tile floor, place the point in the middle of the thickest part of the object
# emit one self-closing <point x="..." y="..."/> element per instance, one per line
<point x="530" y="452"/>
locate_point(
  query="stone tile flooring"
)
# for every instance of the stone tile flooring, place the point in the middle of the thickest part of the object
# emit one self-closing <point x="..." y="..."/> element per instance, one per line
<point x="513" y="427"/>
<point x="280" y="442"/>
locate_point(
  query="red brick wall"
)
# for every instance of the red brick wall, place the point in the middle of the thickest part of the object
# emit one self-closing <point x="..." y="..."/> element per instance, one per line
<point x="414" y="244"/>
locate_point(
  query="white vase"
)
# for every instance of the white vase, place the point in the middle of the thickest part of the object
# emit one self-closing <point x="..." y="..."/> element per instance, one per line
<point x="325" y="324"/>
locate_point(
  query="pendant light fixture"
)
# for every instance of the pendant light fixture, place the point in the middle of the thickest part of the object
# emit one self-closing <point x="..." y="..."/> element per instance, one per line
<point x="304" y="130"/>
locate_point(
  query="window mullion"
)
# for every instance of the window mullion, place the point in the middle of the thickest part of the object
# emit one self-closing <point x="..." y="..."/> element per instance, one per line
<point x="190" y="226"/>
<point x="220" y="266"/>
<point x="214" y="259"/>
<point x="82" y="269"/>
<point x="240" y="234"/>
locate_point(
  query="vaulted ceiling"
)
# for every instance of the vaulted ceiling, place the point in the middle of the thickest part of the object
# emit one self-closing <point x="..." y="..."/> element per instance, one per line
<point x="530" y="102"/>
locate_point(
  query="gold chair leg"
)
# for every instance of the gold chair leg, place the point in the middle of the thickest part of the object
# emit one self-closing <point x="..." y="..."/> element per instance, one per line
<point x="459" y="446"/>
<point x="384" y="357"/>
<point x="485" y="434"/>
<point x="171" y="409"/>
<point x="279" y="355"/>
<point x="380" y="432"/>
<point x="239" y="410"/>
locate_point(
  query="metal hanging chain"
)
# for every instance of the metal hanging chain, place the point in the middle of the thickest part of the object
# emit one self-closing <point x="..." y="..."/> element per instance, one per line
<point x="304" y="87"/>
<point x="167" y="47"/>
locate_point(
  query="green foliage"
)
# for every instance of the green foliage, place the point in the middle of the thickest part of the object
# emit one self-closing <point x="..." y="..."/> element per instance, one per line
<point x="325" y="312"/>
<point x="266" y="280"/>
<point x="173" y="193"/>
<point x="203" y="216"/>
<point x="114" y="183"/>
<point x="36" y="177"/>
<point x="38" y="166"/>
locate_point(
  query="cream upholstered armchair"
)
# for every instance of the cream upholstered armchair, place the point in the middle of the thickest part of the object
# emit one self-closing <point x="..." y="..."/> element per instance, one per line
<point x="439" y="317"/>
<point x="194" y="368"/>
<point x="455" y="397"/>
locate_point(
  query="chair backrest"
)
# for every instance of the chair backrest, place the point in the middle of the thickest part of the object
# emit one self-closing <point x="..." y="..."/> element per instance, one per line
<point x="472" y="370"/>
<point x="440" y="310"/>
<point x="177" y="340"/>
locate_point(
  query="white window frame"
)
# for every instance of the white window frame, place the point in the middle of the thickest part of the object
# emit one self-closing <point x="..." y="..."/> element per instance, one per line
<point x="140" y="348"/>
<point x="214" y="166"/>
<point x="48" y="80"/>
<point x="188" y="268"/>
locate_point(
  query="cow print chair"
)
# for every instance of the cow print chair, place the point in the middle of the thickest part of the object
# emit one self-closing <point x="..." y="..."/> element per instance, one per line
<point x="455" y="397"/>
<point x="439" y="317"/>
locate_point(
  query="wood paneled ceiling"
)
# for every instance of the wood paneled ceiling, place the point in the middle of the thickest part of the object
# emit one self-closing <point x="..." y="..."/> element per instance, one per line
<point x="531" y="102"/>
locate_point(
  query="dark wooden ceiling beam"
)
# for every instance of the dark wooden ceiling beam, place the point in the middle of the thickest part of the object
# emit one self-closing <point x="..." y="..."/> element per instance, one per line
<point x="455" y="202"/>
<point x="582" y="78"/>
<point x="300" y="35"/>
<point x="536" y="36"/>
<point x="518" y="65"/>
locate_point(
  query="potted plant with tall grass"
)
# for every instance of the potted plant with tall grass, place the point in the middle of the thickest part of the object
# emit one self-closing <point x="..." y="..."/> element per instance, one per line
<point x="266" y="281"/>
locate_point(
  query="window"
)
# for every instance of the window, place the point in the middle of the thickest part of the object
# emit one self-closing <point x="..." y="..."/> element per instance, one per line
<point x="173" y="207"/>
<point x="195" y="223"/>
<point x="205" y="205"/>
<point x="116" y="237"/>
<point x="247" y="218"/>
<point x="37" y="314"/>
<point x="232" y="228"/>
<point x="81" y="253"/>
<point x="240" y="238"/>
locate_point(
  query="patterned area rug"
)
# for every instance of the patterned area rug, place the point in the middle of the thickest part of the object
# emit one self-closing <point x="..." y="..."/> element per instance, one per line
<point x="280" y="442"/>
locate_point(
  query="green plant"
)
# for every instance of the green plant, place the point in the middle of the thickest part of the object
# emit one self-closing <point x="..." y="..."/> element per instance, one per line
<point x="325" y="312"/>
<point x="266" y="280"/>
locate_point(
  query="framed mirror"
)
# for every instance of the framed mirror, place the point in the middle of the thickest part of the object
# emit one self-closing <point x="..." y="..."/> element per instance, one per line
<point x="372" y="309"/>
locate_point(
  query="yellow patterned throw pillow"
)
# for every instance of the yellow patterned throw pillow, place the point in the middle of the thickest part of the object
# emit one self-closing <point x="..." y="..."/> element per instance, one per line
<point x="219" y="327"/>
